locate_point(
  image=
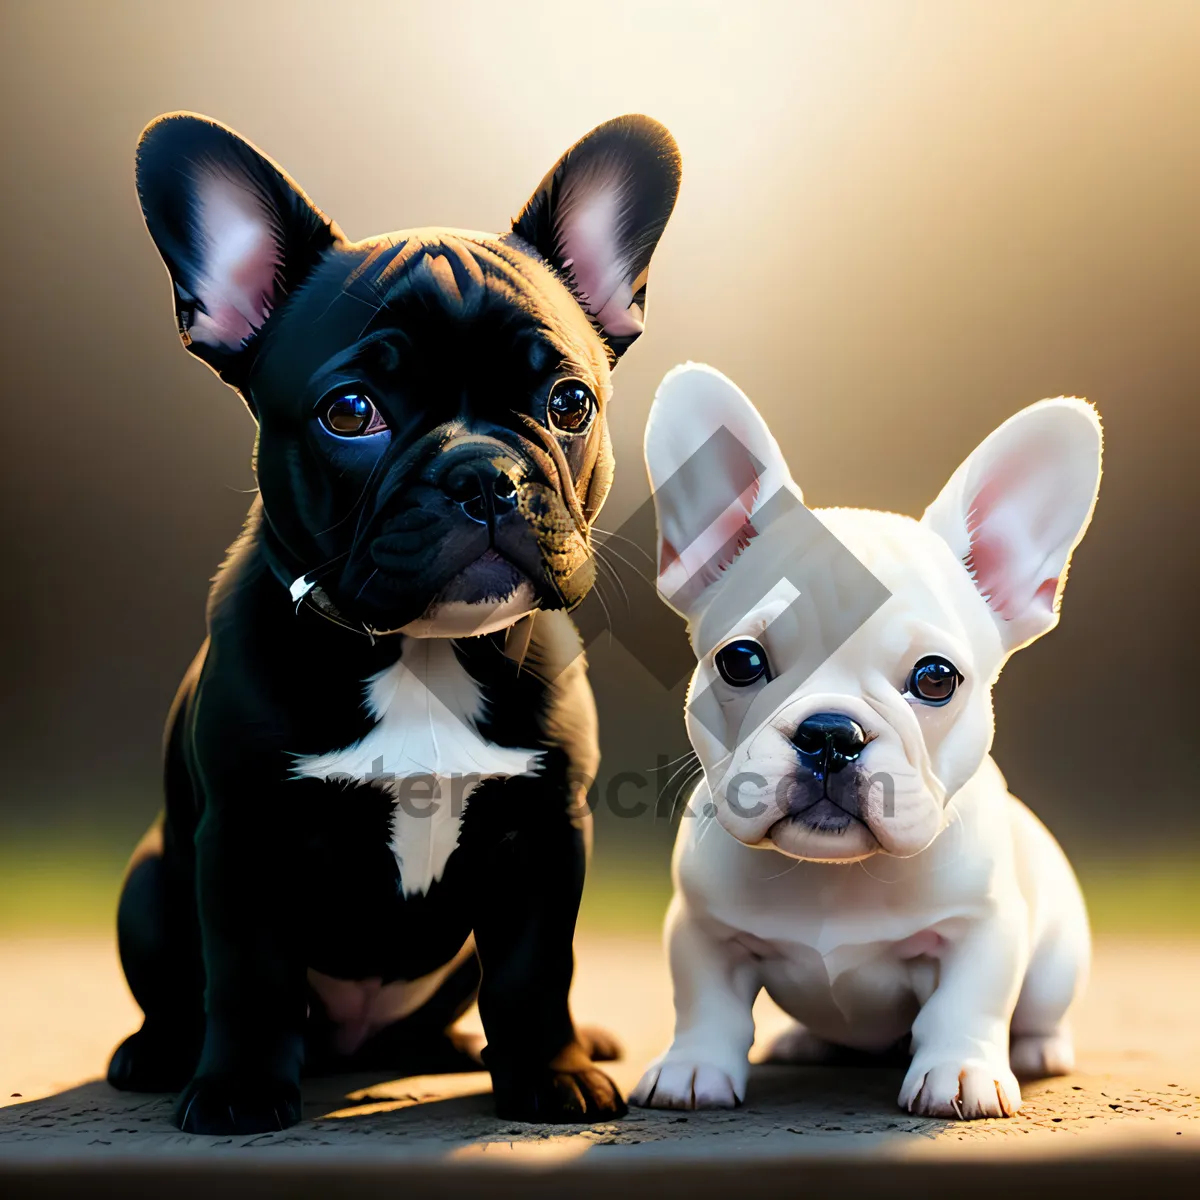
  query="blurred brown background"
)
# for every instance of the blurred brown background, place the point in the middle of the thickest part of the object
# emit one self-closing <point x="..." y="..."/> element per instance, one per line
<point x="899" y="223"/>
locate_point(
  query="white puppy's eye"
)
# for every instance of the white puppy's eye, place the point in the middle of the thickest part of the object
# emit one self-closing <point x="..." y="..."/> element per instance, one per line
<point x="933" y="680"/>
<point x="741" y="662"/>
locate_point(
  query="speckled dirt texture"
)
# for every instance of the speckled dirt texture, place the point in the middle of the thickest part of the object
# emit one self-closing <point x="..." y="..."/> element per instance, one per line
<point x="63" y="1006"/>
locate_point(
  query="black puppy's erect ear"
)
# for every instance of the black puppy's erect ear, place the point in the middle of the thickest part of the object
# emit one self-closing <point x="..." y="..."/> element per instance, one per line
<point x="598" y="215"/>
<point x="235" y="233"/>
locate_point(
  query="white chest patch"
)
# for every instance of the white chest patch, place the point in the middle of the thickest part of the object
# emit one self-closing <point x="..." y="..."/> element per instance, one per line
<point x="426" y="750"/>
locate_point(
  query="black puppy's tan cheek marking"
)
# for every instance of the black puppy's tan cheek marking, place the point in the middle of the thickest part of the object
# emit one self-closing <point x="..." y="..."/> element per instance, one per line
<point x="563" y="550"/>
<point x="549" y="519"/>
<point x="575" y="451"/>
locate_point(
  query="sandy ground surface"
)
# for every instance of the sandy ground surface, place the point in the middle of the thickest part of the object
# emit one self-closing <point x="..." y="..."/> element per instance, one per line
<point x="63" y="1006"/>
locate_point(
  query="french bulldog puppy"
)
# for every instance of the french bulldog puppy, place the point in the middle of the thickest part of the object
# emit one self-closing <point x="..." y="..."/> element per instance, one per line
<point x="375" y="764"/>
<point x="921" y="899"/>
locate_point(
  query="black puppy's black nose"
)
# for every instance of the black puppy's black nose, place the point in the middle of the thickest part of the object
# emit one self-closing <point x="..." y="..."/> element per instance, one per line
<point x="481" y="489"/>
<point x="828" y="741"/>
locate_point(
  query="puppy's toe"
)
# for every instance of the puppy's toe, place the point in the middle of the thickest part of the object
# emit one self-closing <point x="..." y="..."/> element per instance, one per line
<point x="557" y="1097"/>
<point x="712" y="1088"/>
<point x="230" y="1106"/>
<point x="686" y="1086"/>
<point x="798" y="1046"/>
<point x="640" y="1096"/>
<point x="1033" y="1056"/>
<point x="600" y="1044"/>
<point x="961" y="1091"/>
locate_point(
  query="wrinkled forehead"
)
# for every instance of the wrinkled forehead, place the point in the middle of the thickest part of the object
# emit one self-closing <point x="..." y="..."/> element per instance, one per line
<point x="461" y="286"/>
<point x="815" y="578"/>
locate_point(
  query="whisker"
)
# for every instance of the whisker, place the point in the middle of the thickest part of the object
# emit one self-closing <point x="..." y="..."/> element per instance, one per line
<point x="607" y="616"/>
<point x="786" y="870"/>
<point x="362" y="495"/>
<point x="671" y="761"/>
<point x="616" y="578"/>
<point x="620" y="537"/>
<point x="684" y="791"/>
<point x="366" y="583"/>
<point x="315" y="573"/>
<point x="620" y="557"/>
<point x="678" y="780"/>
<point x="375" y="311"/>
<point x="685" y="768"/>
<point x="362" y="508"/>
<point x="711" y="820"/>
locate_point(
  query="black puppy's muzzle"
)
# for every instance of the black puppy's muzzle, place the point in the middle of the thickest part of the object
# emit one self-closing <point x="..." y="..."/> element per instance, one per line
<point x="463" y="516"/>
<point x="482" y="483"/>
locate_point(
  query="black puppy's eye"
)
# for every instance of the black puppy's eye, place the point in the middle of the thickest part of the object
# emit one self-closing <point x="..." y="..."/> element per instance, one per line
<point x="934" y="680"/>
<point x="572" y="406"/>
<point x="742" y="662"/>
<point x="351" y="414"/>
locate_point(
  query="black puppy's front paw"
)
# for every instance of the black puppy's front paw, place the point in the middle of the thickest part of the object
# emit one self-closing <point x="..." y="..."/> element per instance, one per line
<point x="231" y="1105"/>
<point x="149" y="1062"/>
<point x="581" y="1096"/>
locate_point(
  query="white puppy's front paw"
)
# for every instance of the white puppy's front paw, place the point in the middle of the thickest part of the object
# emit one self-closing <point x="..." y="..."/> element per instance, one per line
<point x="686" y="1085"/>
<point x="1033" y="1056"/>
<point x="964" y="1091"/>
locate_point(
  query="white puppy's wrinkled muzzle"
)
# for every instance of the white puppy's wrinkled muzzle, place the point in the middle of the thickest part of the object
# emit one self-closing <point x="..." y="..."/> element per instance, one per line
<point x="893" y="795"/>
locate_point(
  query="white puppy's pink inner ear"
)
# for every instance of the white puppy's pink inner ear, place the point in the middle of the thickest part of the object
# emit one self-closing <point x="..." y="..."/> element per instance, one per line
<point x="240" y="257"/>
<point x="667" y="554"/>
<point x="1008" y="555"/>
<point x="684" y="573"/>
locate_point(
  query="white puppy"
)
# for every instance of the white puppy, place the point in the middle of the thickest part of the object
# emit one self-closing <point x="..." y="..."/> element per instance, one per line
<point x="841" y="711"/>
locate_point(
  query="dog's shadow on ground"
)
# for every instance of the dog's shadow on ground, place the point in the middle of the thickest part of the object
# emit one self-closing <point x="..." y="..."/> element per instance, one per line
<point x="446" y="1113"/>
<point x="846" y="1098"/>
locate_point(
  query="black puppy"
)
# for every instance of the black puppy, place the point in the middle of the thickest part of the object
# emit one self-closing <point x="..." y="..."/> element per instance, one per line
<point x="374" y="766"/>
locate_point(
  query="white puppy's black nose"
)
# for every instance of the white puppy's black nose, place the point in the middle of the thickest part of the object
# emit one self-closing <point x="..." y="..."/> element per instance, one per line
<point x="827" y="742"/>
